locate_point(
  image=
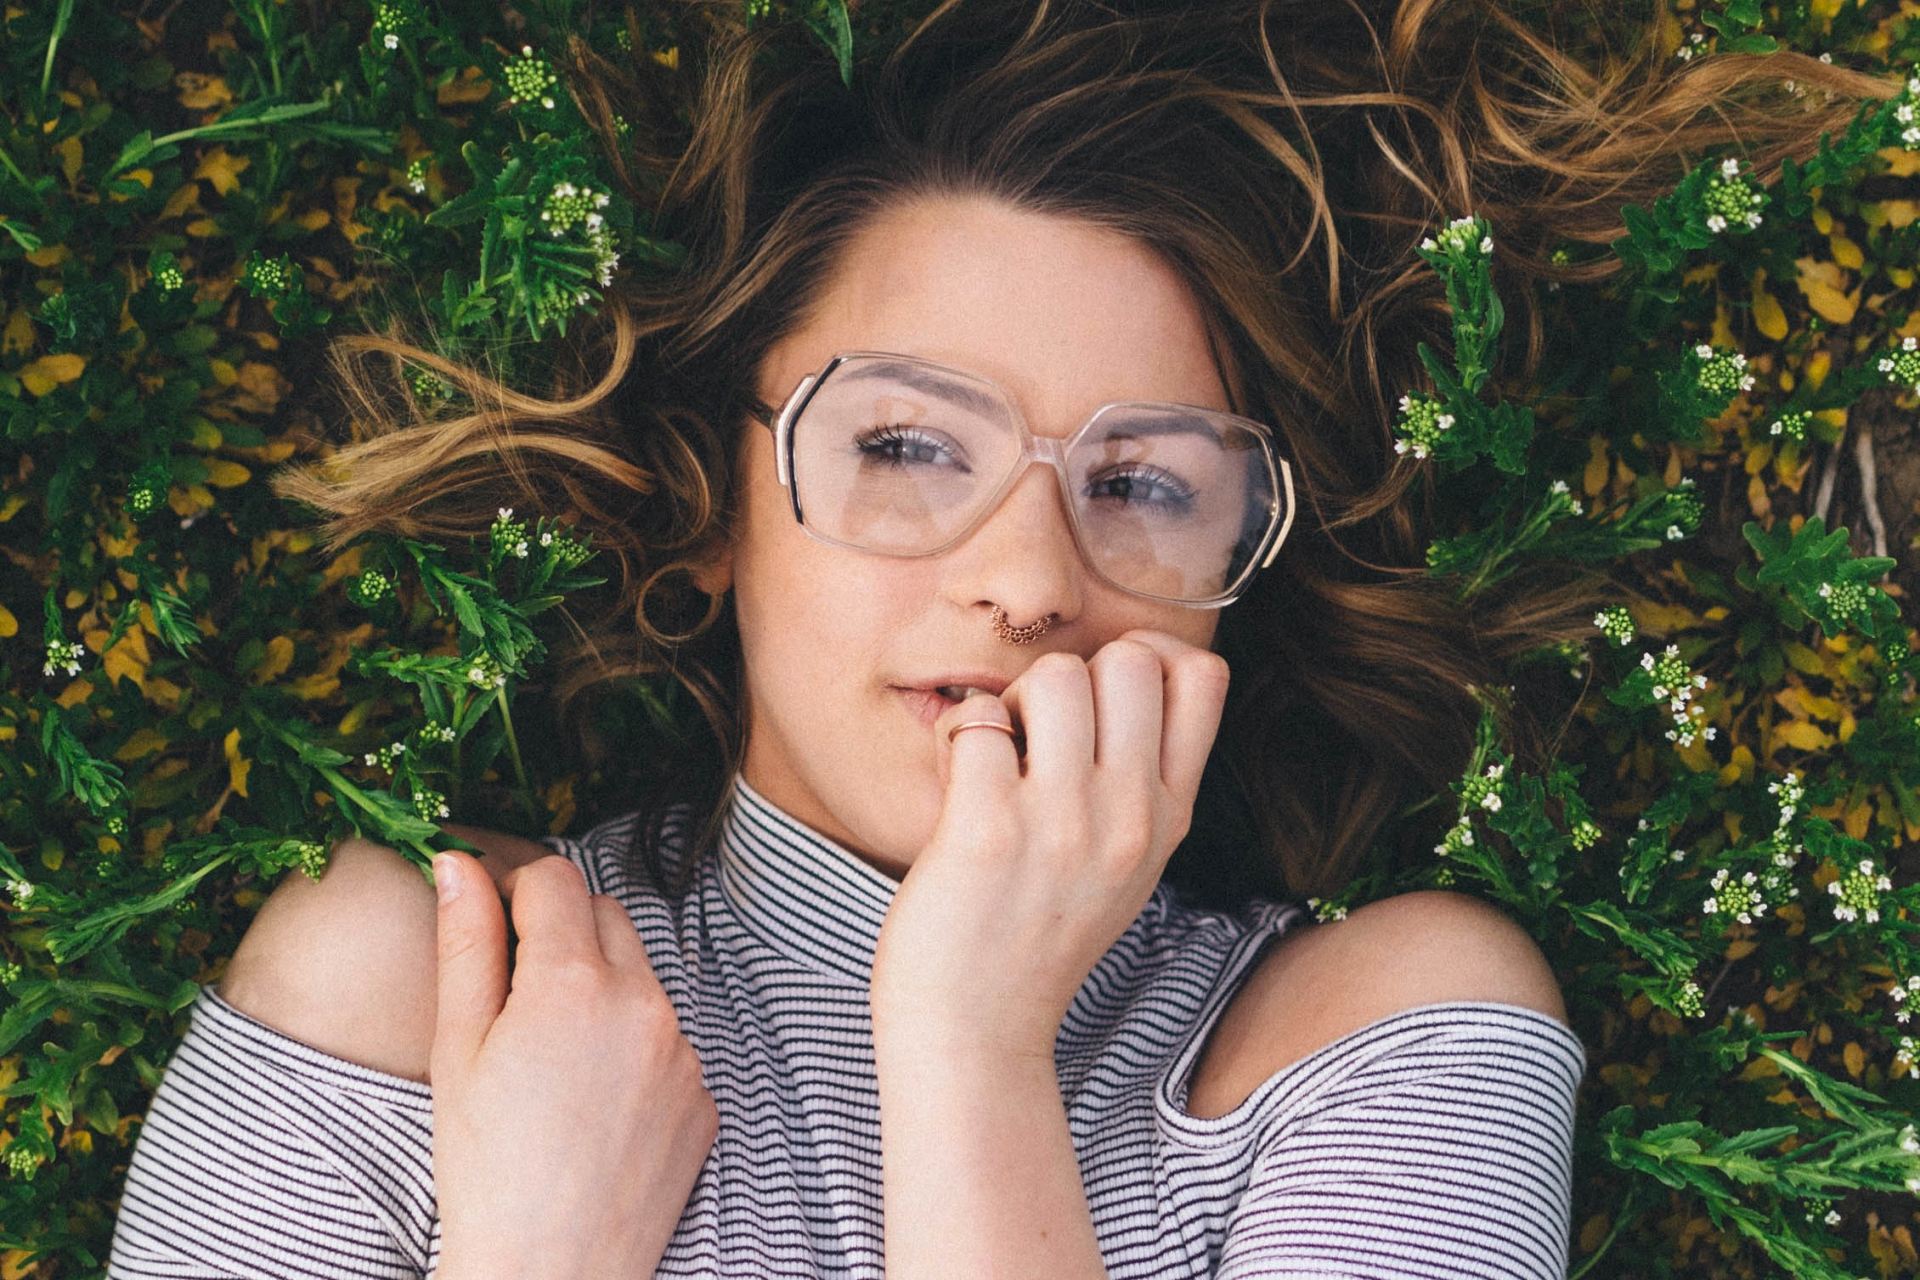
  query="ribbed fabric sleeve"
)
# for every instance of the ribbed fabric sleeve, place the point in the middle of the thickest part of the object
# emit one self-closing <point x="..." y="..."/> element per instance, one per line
<point x="263" y="1157"/>
<point x="1432" y="1144"/>
<point x="1435" y="1142"/>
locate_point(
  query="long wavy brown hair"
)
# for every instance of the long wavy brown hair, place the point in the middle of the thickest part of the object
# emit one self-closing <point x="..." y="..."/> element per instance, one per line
<point x="1286" y="156"/>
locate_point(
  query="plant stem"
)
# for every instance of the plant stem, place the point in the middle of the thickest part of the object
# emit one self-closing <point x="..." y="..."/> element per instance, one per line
<point x="1619" y="1221"/>
<point x="513" y="749"/>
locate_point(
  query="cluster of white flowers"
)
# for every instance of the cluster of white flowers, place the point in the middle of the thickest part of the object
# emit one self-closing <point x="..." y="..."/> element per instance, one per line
<point x="1458" y="238"/>
<point x="1857" y="892"/>
<point x="1616" y="623"/>
<point x="1722" y="373"/>
<point x="1905" y="996"/>
<point x="64" y="653"/>
<point x="1675" y="684"/>
<point x="386" y="755"/>
<point x="1730" y="201"/>
<point x="21" y="890"/>
<point x="1740" y="899"/>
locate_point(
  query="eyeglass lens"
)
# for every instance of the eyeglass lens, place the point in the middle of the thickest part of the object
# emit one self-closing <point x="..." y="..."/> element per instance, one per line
<point x="900" y="457"/>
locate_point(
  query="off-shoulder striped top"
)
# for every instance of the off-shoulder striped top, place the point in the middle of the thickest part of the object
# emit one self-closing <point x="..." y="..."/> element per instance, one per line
<point x="1434" y="1142"/>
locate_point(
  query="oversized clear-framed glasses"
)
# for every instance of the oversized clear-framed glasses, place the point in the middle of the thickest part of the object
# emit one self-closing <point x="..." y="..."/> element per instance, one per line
<point x="903" y="456"/>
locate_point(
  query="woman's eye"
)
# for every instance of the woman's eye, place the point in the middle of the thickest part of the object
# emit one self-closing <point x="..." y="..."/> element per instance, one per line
<point x="899" y="447"/>
<point x="1145" y="488"/>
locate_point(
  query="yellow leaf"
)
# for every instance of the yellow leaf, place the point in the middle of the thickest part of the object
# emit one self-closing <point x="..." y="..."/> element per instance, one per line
<point x="669" y="58"/>
<point x="183" y="199"/>
<point x="1804" y="705"/>
<point x="1846" y="252"/>
<point x="1741" y="948"/>
<point x="71" y="153"/>
<point x="1856" y="1059"/>
<point x="1802" y="736"/>
<point x="19" y="332"/>
<point x="222" y="169"/>
<point x="1823" y="283"/>
<point x="205" y="434"/>
<point x="261" y="387"/>
<point x="1803" y="659"/>
<point x="201" y="228"/>
<point x="1664" y="619"/>
<point x="279" y="658"/>
<point x="11" y="506"/>
<point x="313" y="219"/>
<point x="48" y="372"/>
<point x="1595" y="477"/>
<point x="223" y="371"/>
<point x="471" y="86"/>
<point x="237" y="764"/>
<point x="222" y="474"/>
<point x="51" y="255"/>
<point x="127" y="658"/>
<point x="1822" y="220"/>
<point x="201" y="91"/>
<point x="310" y="688"/>
<point x="1767" y="315"/>
<point x="143" y="742"/>
<point x="190" y="501"/>
<point x="9" y="625"/>
<point x="1901" y="163"/>
<point x="1817" y="366"/>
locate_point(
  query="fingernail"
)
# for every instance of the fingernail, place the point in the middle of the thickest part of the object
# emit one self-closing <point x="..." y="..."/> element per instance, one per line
<point x="446" y="876"/>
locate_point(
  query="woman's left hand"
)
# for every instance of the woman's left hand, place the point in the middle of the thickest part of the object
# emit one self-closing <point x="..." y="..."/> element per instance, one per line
<point x="1037" y="867"/>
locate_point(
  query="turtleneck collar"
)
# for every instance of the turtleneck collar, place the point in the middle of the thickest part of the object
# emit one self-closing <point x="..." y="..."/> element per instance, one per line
<point x="802" y="894"/>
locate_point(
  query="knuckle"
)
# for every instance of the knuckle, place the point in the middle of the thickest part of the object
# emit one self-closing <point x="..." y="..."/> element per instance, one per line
<point x="1057" y="664"/>
<point x="1208" y="666"/>
<point x="1128" y="655"/>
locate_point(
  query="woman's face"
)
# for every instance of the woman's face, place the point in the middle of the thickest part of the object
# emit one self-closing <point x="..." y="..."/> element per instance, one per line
<point x="1065" y="316"/>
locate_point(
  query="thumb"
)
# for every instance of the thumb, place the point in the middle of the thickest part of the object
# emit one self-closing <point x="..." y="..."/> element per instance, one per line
<point x="471" y="984"/>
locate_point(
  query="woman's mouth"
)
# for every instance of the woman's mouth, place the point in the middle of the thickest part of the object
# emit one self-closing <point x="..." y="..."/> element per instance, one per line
<point x="927" y="704"/>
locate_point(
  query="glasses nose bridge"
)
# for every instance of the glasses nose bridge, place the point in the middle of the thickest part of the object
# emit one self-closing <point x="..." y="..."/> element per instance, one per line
<point x="1050" y="451"/>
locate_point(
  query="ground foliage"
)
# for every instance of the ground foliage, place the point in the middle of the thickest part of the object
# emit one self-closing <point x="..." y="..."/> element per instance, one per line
<point x="1720" y="859"/>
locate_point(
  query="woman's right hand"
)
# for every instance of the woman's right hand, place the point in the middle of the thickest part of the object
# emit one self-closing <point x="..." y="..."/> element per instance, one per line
<point x="570" y="1120"/>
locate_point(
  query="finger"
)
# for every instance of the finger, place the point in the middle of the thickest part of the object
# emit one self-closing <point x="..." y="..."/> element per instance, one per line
<point x="1129" y="679"/>
<point x="619" y="940"/>
<point x="551" y="912"/>
<point x="1196" y="695"/>
<point x="1052" y="704"/>
<point x="471" y="956"/>
<point x="975" y="761"/>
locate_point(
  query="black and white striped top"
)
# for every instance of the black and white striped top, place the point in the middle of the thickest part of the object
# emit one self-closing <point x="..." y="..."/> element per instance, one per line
<point x="1435" y="1142"/>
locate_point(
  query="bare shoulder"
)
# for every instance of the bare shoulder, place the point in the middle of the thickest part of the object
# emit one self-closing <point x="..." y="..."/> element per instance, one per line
<point x="1319" y="982"/>
<point x="346" y="963"/>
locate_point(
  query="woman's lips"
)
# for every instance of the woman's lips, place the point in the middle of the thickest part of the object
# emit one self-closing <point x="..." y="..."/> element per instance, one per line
<point x="924" y="704"/>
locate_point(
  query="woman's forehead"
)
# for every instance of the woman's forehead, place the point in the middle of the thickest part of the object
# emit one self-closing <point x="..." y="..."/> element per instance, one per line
<point x="1064" y="314"/>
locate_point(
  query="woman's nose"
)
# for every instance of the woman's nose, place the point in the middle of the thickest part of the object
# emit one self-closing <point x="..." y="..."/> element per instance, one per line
<point x="1023" y="556"/>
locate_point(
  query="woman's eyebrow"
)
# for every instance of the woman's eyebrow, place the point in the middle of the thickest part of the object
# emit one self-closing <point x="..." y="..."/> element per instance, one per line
<point x="936" y="383"/>
<point x="931" y="381"/>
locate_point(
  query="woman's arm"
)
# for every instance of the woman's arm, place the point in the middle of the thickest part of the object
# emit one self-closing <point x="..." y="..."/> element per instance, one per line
<point x="979" y="1172"/>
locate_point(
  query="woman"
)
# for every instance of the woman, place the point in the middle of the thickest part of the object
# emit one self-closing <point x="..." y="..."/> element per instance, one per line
<point x="897" y="983"/>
